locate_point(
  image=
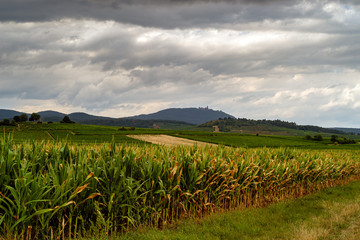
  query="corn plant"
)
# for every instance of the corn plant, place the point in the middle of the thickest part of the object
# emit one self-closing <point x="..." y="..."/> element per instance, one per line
<point x="58" y="190"/>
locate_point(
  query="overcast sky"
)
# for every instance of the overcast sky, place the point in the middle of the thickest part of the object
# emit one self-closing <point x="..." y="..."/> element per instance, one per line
<point x="260" y="59"/>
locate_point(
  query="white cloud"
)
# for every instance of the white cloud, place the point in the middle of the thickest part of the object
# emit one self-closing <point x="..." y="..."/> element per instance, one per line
<point x="293" y="60"/>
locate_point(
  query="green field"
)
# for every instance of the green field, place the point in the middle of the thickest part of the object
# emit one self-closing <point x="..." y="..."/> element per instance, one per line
<point x="74" y="133"/>
<point x="71" y="180"/>
<point x="251" y="141"/>
<point x="78" y="133"/>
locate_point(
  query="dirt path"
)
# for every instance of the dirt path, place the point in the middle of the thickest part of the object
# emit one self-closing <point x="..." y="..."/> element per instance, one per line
<point x="169" y="140"/>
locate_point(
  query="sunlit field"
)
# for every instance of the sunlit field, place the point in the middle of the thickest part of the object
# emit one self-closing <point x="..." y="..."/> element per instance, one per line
<point x="90" y="134"/>
<point x="57" y="189"/>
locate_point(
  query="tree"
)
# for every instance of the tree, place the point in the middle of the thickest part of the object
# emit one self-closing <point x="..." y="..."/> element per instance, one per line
<point x="318" y="137"/>
<point x="66" y="119"/>
<point x="23" y="117"/>
<point x="34" y="117"/>
<point x="16" y="118"/>
<point x="308" y="137"/>
<point x="334" y="138"/>
<point x="5" y="122"/>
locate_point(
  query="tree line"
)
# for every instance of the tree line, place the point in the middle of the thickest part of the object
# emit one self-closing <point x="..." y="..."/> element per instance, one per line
<point x="225" y="124"/>
<point x="34" y="117"/>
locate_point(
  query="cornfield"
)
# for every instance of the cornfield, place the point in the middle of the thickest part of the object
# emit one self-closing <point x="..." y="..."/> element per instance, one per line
<point x="55" y="190"/>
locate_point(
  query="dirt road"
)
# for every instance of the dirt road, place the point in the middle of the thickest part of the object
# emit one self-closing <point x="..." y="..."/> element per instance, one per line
<point x="168" y="140"/>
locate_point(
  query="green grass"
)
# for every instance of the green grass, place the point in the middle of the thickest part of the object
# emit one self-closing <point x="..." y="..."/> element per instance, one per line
<point x="75" y="133"/>
<point x="316" y="216"/>
<point x="253" y="141"/>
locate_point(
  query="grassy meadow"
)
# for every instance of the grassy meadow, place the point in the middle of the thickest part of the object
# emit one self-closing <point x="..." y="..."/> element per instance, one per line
<point x="61" y="181"/>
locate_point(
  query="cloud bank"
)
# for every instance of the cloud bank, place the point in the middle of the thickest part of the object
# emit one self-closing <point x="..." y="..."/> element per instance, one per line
<point x="292" y="60"/>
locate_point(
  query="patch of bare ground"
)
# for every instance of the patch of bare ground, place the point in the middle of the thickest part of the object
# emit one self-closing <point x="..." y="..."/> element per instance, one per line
<point x="167" y="140"/>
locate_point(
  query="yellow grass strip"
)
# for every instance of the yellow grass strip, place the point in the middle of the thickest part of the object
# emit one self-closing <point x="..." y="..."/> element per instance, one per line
<point x="167" y="140"/>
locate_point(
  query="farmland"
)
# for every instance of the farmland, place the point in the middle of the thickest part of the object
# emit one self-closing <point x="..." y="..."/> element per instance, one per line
<point x="69" y="180"/>
<point x="85" y="134"/>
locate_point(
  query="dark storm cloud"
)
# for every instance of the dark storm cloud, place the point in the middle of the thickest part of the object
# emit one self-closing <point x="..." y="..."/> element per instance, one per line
<point x="169" y="14"/>
<point x="160" y="13"/>
<point x="242" y="56"/>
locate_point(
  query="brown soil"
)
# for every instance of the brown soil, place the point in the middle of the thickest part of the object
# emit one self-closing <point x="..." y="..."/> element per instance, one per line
<point x="168" y="140"/>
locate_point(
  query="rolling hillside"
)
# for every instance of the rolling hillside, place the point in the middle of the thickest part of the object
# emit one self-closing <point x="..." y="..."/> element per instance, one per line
<point x="191" y="115"/>
<point x="268" y="127"/>
<point x="189" y="118"/>
<point x="85" y="118"/>
<point x="9" y="114"/>
<point x="349" y="130"/>
<point x="183" y="116"/>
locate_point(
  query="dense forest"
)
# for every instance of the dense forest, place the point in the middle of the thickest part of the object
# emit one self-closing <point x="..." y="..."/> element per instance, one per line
<point x="228" y="124"/>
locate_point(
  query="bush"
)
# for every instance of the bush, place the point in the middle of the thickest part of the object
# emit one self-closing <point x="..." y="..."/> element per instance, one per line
<point x="34" y="117"/>
<point x="318" y="137"/>
<point x="23" y="117"/>
<point x="66" y="119"/>
<point x="5" y="122"/>
<point x="16" y="118"/>
<point x="346" y="141"/>
<point x="308" y="137"/>
<point x="334" y="138"/>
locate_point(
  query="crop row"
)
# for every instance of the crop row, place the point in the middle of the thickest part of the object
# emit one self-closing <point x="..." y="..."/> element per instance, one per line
<point x="56" y="190"/>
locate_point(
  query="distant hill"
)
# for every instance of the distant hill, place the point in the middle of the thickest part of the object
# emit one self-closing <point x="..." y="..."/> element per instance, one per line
<point x="77" y="117"/>
<point x="52" y="116"/>
<point x="9" y="114"/>
<point x="277" y="127"/>
<point x="190" y="115"/>
<point x="187" y="118"/>
<point x="349" y="130"/>
<point x="85" y="118"/>
<point x="81" y="117"/>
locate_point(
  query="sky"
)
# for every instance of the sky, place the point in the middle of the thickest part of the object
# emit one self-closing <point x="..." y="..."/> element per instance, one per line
<point x="295" y="60"/>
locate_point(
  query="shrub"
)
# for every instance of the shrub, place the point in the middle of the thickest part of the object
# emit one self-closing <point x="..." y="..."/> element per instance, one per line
<point x="308" y="137"/>
<point x="318" y="137"/>
<point x="66" y="119"/>
<point x="334" y="138"/>
<point x="34" y="117"/>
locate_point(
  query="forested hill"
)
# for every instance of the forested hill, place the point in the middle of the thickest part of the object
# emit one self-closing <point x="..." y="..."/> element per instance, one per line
<point x="232" y="124"/>
<point x="5" y="113"/>
<point x="185" y="115"/>
<point x="189" y="115"/>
